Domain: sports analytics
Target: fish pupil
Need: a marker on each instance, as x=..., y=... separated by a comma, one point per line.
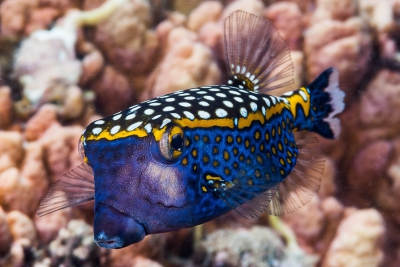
x=177, y=142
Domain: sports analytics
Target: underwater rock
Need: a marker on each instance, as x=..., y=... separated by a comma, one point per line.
x=206, y=12
x=21, y=226
x=152, y=246
x=127, y=40
x=75, y=246
x=14, y=15
x=288, y=19
x=255, y=7
x=92, y=65
x=347, y=47
x=6, y=106
x=187, y=64
x=48, y=226
x=380, y=101
x=11, y=149
x=114, y=91
x=61, y=149
x=5, y=235
x=358, y=240
x=40, y=122
x=257, y=247
x=333, y=10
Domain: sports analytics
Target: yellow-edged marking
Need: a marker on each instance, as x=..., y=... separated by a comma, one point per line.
x=267, y=136
x=194, y=153
x=229, y=139
x=282, y=172
x=296, y=99
x=289, y=153
x=214, y=178
x=282, y=161
x=184, y=161
x=247, y=143
x=288, y=160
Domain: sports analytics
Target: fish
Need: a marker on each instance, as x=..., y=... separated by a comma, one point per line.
x=185, y=158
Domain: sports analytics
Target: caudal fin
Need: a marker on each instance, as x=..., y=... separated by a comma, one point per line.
x=319, y=103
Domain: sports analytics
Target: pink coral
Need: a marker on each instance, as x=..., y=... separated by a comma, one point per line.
x=287, y=18
x=5, y=106
x=357, y=242
x=206, y=12
x=14, y=14
x=5, y=235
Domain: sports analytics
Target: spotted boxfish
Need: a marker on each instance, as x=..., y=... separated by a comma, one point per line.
x=185, y=158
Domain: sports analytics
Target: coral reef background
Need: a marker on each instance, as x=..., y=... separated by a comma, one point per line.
x=65, y=63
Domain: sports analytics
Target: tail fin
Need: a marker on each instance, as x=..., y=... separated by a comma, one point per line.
x=326, y=101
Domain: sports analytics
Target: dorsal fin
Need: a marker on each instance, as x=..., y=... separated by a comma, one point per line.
x=257, y=57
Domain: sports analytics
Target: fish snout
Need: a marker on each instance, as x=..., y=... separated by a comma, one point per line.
x=114, y=229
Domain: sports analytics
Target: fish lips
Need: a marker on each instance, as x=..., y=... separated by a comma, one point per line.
x=114, y=229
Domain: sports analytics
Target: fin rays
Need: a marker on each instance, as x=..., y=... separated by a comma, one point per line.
x=74, y=188
x=256, y=53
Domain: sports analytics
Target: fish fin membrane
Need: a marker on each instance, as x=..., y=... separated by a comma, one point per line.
x=327, y=100
x=303, y=182
x=250, y=200
x=257, y=57
x=74, y=188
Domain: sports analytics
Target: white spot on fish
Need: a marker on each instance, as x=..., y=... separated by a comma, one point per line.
x=234, y=92
x=130, y=116
x=214, y=90
x=230, y=82
x=243, y=112
x=241, y=86
x=235, y=121
x=208, y=97
x=252, y=77
x=220, y=94
x=243, y=69
x=155, y=104
x=184, y=94
x=149, y=111
x=203, y=114
x=134, y=126
x=156, y=117
x=221, y=112
x=97, y=131
x=237, y=69
x=253, y=97
x=288, y=93
x=204, y=103
x=303, y=95
x=170, y=99
x=255, y=81
x=116, y=117
x=135, y=108
x=148, y=128
x=273, y=100
x=253, y=106
x=189, y=115
x=115, y=129
x=165, y=122
x=190, y=98
x=263, y=110
x=185, y=104
x=248, y=74
x=228, y=104
x=99, y=122
x=238, y=99
x=201, y=92
x=266, y=100
x=175, y=115
x=169, y=108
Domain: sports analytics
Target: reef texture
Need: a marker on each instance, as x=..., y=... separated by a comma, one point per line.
x=66, y=63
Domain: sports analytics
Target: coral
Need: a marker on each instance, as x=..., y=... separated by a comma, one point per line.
x=357, y=241
x=258, y=246
x=347, y=47
x=380, y=100
x=21, y=226
x=5, y=235
x=287, y=18
x=11, y=151
x=92, y=65
x=113, y=91
x=126, y=40
x=333, y=10
x=206, y=12
x=5, y=106
x=255, y=7
x=151, y=247
x=14, y=14
x=379, y=14
x=38, y=124
x=61, y=149
x=22, y=189
x=74, y=245
x=48, y=226
x=187, y=64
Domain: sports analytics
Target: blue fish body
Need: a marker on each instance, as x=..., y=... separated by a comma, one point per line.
x=188, y=157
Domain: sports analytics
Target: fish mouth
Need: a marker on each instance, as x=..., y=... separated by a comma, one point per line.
x=114, y=229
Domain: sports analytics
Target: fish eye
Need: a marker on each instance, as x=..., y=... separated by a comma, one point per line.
x=172, y=143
